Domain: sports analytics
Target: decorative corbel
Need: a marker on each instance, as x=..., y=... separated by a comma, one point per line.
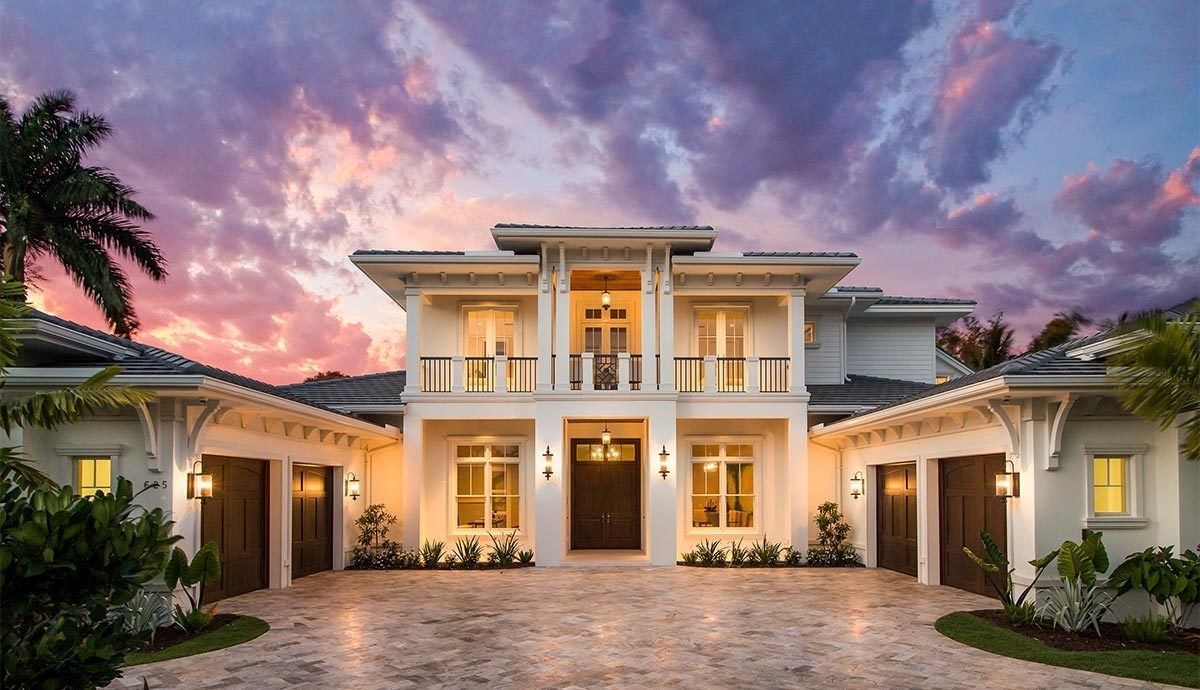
x=1057, y=425
x=195, y=434
x=149, y=435
x=1014, y=434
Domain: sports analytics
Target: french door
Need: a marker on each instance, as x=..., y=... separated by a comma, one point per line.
x=489, y=332
x=722, y=334
x=606, y=335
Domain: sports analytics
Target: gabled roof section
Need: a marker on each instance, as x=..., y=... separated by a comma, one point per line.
x=862, y=392
x=353, y=392
x=148, y=360
x=526, y=238
x=954, y=362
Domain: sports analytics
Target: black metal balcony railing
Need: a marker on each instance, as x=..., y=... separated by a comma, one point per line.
x=774, y=374
x=479, y=374
x=522, y=374
x=689, y=374
x=731, y=374
x=436, y=374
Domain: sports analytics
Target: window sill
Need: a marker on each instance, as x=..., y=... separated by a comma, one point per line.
x=483, y=532
x=1115, y=522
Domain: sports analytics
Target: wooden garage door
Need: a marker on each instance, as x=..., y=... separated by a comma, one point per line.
x=897, y=516
x=236, y=518
x=312, y=520
x=968, y=505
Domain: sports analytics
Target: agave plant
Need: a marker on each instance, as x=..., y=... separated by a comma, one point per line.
x=710, y=553
x=467, y=552
x=431, y=553
x=525, y=557
x=1077, y=606
x=765, y=553
x=738, y=554
x=505, y=549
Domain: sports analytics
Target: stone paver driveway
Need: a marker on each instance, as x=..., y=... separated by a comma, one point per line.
x=607, y=627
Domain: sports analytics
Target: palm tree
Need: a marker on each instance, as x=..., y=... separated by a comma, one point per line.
x=51, y=204
x=978, y=345
x=1159, y=377
x=1063, y=327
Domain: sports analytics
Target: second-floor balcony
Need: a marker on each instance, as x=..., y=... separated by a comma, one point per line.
x=607, y=372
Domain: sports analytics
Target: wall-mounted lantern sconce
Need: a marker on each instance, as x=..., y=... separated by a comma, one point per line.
x=663, y=459
x=606, y=296
x=200, y=483
x=1008, y=483
x=606, y=435
x=353, y=486
x=857, y=485
x=548, y=465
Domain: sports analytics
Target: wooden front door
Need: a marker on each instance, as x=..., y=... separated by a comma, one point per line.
x=606, y=494
x=969, y=505
x=897, y=517
x=312, y=520
x=236, y=519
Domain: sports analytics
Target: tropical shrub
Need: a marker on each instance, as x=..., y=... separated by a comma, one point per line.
x=832, y=531
x=993, y=560
x=793, y=557
x=1150, y=628
x=1076, y=606
x=689, y=557
x=764, y=553
x=204, y=570
x=145, y=613
x=1082, y=562
x=467, y=552
x=710, y=553
x=1172, y=581
x=505, y=549
x=525, y=556
x=65, y=562
x=431, y=553
x=738, y=554
x=374, y=551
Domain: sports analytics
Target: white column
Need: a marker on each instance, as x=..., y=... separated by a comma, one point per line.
x=545, y=325
x=412, y=339
x=752, y=371
x=796, y=338
x=797, y=476
x=457, y=372
x=623, y=371
x=661, y=509
x=549, y=518
x=562, y=334
x=710, y=373
x=588, y=367
x=929, y=561
x=649, y=323
x=414, y=454
x=501, y=373
x=666, y=325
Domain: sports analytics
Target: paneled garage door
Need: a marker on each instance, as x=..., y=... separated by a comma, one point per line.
x=312, y=520
x=897, y=517
x=236, y=518
x=968, y=505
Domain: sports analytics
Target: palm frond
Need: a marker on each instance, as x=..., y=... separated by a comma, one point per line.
x=51, y=409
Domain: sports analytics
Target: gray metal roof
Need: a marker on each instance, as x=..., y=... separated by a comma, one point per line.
x=534, y=226
x=857, y=288
x=898, y=299
x=407, y=252
x=850, y=255
x=383, y=388
x=151, y=360
x=863, y=391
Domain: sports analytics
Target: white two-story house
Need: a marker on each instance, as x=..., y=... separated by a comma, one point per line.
x=616, y=395
x=628, y=392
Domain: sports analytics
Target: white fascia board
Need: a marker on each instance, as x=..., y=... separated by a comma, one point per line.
x=904, y=309
x=569, y=234
x=984, y=389
x=730, y=259
x=952, y=362
x=367, y=408
x=1106, y=346
x=37, y=329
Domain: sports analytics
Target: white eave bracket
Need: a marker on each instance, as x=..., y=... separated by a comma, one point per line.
x=1014, y=434
x=147, y=417
x=1057, y=425
x=205, y=417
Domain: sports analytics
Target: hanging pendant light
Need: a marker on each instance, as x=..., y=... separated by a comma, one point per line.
x=606, y=435
x=606, y=296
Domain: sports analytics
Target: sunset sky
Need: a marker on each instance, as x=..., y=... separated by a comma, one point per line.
x=1034, y=157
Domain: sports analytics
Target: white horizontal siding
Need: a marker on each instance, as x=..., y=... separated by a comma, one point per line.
x=823, y=364
x=891, y=348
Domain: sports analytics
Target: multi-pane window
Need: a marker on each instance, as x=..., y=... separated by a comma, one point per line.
x=488, y=485
x=721, y=332
x=598, y=452
x=723, y=485
x=490, y=332
x=810, y=331
x=92, y=475
x=1110, y=485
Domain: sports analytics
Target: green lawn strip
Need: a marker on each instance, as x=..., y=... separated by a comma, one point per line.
x=241, y=630
x=1157, y=667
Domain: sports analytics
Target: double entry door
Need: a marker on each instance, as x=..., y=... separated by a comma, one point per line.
x=606, y=494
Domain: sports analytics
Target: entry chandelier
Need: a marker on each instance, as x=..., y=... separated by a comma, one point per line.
x=606, y=296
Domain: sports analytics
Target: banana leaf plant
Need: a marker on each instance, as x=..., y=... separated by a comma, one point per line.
x=1083, y=561
x=1016, y=609
x=1172, y=581
x=204, y=569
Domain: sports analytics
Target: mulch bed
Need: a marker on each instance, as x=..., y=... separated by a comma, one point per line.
x=170, y=636
x=749, y=566
x=443, y=566
x=1111, y=639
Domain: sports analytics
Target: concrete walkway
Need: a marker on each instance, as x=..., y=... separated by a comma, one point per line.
x=607, y=627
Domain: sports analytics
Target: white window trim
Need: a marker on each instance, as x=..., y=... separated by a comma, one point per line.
x=466, y=307
x=816, y=341
x=755, y=531
x=73, y=452
x=523, y=479
x=1134, y=519
x=695, y=335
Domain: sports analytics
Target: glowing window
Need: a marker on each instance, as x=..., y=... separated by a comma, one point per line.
x=92, y=475
x=1110, y=485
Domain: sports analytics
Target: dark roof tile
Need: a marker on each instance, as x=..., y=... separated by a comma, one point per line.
x=863, y=391
x=384, y=388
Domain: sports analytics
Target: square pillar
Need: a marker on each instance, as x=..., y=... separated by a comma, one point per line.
x=623, y=371
x=666, y=327
x=797, y=477
x=796, y=339
x=545, y=331
x=562, y=336
x=649, y=323
x=549, y=507
x=412, y=339
x=661, y=512
x=414, y=479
